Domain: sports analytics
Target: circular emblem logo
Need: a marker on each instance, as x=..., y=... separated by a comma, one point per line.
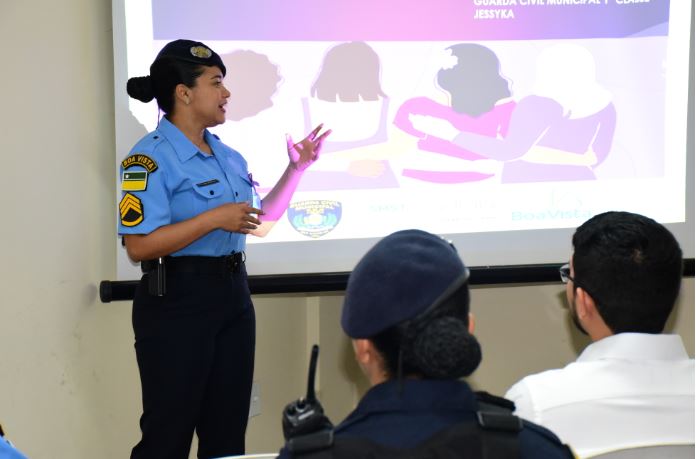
x=201, y=52
x=314, y=218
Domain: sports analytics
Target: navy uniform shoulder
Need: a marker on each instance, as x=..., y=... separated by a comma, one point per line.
x=542, y=439
x=493, y=402
x=535, y=441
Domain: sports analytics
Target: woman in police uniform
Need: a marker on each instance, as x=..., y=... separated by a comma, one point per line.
x=185, y=211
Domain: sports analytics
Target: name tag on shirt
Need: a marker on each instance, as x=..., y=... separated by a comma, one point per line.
x=207, y=183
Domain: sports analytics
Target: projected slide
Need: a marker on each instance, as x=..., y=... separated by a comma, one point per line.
x=456, y=117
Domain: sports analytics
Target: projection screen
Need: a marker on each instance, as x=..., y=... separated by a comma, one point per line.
x=501, y=125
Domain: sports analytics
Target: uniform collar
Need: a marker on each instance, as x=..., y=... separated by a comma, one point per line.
x=184, y=148
x=416, y=395
x=636, y=346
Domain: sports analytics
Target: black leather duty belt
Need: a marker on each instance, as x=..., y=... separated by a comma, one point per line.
x=198, y=265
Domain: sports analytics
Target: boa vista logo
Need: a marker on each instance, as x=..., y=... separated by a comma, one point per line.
x=314, y=218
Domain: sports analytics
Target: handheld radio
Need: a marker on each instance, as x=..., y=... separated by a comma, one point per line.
x=305, y=416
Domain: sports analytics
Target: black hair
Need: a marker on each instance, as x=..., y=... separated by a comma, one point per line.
x=631, y=266
x=436, y=345
x=165, y=74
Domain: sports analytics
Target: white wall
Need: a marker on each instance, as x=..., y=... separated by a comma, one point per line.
x=69, y=386
x=64, y=355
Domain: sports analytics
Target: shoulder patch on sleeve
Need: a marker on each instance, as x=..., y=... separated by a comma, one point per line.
x=131, y=209
x=134, y=180
x=139, y=159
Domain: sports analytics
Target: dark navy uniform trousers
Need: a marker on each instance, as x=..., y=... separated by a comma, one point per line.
x=195, y=352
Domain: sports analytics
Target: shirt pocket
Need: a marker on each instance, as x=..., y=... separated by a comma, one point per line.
x=244, y=190
x=207, y=194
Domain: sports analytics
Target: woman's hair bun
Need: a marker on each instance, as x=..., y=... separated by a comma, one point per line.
x=140, y=88
x=446, y=350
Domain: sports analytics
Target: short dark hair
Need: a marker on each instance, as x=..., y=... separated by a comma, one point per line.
x=434, y=345
x=631, y=266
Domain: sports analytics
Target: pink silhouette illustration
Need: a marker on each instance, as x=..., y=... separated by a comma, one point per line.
x=479, y=102
x=561, y=132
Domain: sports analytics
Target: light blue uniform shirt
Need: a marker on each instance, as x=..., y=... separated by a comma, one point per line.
x=7, y=451
x=165, y=179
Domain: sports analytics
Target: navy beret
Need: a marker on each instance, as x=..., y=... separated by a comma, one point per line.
x=194, y=52
x=397, y=279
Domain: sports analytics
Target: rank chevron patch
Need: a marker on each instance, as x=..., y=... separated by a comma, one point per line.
x=131, y=208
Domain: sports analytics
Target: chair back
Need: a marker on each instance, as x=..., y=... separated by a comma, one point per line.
x=252, y=456
x=651, y=452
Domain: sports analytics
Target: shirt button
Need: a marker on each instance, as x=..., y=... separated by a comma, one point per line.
x=236, y=193
x=156, y=137
x=212, y=192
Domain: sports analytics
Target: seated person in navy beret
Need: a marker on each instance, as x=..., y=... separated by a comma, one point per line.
x=407, y=311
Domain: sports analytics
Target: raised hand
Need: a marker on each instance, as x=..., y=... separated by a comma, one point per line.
x=306, y=151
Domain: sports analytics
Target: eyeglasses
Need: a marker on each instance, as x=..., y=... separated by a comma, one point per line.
x=564, y=271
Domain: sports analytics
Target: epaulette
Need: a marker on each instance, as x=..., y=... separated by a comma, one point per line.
x=493, y=402
x=495, y=413
x=156, y=138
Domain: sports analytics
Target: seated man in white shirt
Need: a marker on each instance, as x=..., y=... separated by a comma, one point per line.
x=633, y=385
